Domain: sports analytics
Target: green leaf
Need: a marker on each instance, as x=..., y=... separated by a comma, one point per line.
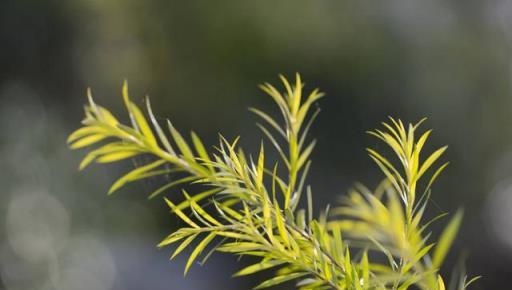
x=295, y=98
x=113, y=147
x=143, y=125
x=180, y=214
x=286, y=84
x=308, y=127
x=171, y=184
x=197, y=198
x=85, y=131
x=269, y=120
x=280, y=279
x=127, y=103
x=107, y=117
x=158, y=128
x=116, y=156
x=471, y=281
x=197, y=251
x=280, y=221
x=305, y=154
x=201, y=151
x=440, y=283
x=365, y=269
x=263, y=265
x=183, y=245
x=446, y=239
x=276, y=96
x=301, y=115
x=202, y=212
x=275, y=144
x=134, y=174
x=180, y=141
x=87, y=141
x=239, y=247
x=417, y=257
x=435, y=175
x=430, y=160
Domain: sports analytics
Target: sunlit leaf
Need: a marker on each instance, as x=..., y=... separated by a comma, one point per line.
x=446, y=239
x=197, y=251
x=263, y=265
x=279, y=280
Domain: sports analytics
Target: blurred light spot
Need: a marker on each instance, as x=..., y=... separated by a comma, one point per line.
x=86, y=264
x=499, y=212
x=37, y=225
x=499, y=14
x=420, y=20
x=23, y=117
x=16, y=273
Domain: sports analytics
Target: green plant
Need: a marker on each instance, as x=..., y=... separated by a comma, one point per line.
x=373, y=240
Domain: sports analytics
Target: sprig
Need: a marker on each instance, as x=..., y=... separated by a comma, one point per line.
x=242, y=206
x=391, y=219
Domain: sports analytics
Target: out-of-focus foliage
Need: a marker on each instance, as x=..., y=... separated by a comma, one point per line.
x=244, y=205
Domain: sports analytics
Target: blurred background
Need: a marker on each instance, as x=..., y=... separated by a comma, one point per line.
x=200, y=62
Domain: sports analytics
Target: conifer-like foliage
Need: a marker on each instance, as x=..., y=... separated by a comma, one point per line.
x=245, y=205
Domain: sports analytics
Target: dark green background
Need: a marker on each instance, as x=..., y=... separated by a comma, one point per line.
x=201, y=61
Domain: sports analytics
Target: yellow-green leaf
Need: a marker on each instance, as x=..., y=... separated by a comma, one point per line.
x=430, y=160
x=180, y=141
x=134, y=174
x=446, y=239
x=202, y=212
x=263, y=265
x=143, y=125
x=116, y=156
x=183, y=245
x=281, y=224
x=84, y=131
x=197, y=251
x=200, y=149
x=280, y=279
x=88, y=140
x=440, y=283
x=180, y=214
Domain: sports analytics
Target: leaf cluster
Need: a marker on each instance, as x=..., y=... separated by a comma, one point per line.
x=246, y=206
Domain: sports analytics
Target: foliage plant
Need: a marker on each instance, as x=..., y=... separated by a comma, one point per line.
x=247, y=205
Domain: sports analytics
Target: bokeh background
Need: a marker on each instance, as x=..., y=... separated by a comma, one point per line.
x=200, y=62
